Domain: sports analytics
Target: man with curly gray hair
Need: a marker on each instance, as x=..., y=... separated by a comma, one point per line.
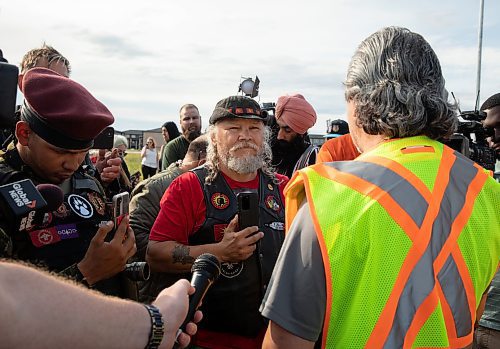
x=388, y=250
x=197, y=215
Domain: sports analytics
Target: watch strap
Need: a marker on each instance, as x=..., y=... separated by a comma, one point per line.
x=157, y=327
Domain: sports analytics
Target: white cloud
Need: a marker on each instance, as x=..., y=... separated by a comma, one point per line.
x=145, y=59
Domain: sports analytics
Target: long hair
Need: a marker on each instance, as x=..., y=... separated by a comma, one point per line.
x=397, y=86
x=213, y=158
x=173, y=131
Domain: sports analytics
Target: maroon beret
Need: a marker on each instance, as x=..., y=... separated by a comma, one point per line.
x=62, y=111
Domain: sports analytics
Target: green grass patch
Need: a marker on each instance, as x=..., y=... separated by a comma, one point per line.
x=133, y=160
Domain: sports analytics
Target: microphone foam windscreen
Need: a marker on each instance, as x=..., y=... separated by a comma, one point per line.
x=52, y=194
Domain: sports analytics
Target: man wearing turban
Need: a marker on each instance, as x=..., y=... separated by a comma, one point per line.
x=292, y=149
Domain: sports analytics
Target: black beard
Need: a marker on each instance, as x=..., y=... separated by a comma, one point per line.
x=286, y=154
x=191, y=135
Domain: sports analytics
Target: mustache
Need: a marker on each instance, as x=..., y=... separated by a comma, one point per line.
x=243, y=145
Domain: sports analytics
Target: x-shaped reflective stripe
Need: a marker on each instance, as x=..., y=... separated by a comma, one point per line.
x=421, y=280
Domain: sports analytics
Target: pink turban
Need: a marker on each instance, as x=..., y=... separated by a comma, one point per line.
x=296, y=112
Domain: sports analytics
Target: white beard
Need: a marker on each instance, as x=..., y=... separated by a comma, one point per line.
x=245, y=164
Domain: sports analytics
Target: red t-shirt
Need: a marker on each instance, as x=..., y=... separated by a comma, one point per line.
x=182, y=207
x=182, y=212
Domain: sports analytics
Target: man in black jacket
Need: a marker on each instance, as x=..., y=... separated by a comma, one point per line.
x=58, y=123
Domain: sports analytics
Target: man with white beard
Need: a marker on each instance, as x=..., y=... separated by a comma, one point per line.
x=198, y=215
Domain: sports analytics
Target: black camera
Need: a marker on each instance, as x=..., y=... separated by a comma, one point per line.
x=470, y=139
x=137, y=271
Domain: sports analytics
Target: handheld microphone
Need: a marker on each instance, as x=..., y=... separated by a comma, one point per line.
x=22, y=202
x=52, y=194
x=205, y=269
x=54, y=198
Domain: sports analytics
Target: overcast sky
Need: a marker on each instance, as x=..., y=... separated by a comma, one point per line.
x=144, y=59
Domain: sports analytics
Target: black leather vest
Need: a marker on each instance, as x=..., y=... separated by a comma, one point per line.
x=232, y=303
x=64, y=236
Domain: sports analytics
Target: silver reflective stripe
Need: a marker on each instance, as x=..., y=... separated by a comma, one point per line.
x=407, y=197
x=454, y=292
x=419, y=284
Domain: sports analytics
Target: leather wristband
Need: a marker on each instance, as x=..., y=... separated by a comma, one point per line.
x=157, y=327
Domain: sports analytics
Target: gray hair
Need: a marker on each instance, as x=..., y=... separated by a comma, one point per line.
x=119, y=140
x=397, y=86
x=213, y=158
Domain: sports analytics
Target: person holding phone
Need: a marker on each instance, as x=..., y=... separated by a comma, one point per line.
x=107, y=169
x=198, y=214
x=149, y=162
x=58, y=123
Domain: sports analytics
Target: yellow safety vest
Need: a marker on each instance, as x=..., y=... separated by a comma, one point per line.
x=410, y=238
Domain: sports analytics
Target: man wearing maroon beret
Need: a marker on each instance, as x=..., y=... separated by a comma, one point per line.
x=108, y=166
x=58, y=123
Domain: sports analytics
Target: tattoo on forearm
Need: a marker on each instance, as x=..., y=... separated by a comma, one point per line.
x=181, y=255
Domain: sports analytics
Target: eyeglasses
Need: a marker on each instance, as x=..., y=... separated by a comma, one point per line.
x=122, y=153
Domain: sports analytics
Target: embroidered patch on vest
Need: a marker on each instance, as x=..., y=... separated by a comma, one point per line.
x=220, y=201
x=272, y=203
x=97, y=202
x=63, y=211
x=270, y=186
x=67, y=231
x=47, y=219
x=231, y=270
x=277, y=226
x=44, y=237
x=80, y=206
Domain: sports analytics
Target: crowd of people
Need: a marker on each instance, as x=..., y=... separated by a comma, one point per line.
x=384, y=237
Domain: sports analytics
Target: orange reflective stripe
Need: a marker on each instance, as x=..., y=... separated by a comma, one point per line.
x=384, y=324
x=324, y=256
x=418, y=149
x=421, y=316
x=447, y=313
x=294, y=195
x=461, y=342
x=437, y=227
x=399, y=215
x=462, y=218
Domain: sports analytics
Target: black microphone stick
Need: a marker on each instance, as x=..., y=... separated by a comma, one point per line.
x=205, y=269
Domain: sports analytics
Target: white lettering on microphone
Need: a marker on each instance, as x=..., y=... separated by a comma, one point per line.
x=19, y=196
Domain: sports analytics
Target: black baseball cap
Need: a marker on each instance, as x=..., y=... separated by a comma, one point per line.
x=237, y=107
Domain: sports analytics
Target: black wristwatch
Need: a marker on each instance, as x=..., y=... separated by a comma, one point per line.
x=157, y=327
x=75, y=273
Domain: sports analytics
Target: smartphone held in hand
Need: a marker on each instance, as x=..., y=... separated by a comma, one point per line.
x=120, y=207
x=248, y=209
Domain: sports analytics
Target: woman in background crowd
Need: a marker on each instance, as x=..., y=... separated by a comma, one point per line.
x=149, y=158
x=169, y=131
